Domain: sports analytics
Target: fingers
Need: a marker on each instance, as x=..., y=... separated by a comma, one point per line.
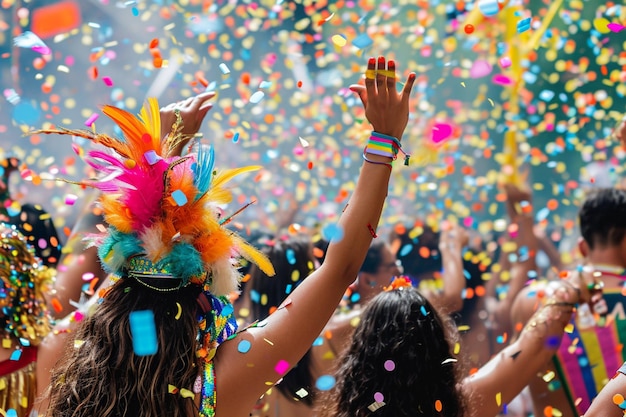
x=380, y=77
x=408, y=86
x=391, y=77
x=201, y=99
x=370, y=75
x=361, y=91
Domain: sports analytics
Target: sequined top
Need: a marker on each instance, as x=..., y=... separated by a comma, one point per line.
x=222, y=325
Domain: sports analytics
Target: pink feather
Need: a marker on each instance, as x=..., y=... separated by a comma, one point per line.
x=142, y=184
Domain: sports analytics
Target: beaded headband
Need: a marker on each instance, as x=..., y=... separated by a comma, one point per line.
x=162, y=209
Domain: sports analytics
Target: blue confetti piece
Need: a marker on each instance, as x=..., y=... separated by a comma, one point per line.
x=143, y=331
x=11, y=412
x=318, y=342
x=244, y=346
x=332, y=232
x=291, y=256
x=523, y=25
x=236, y=137
x=288, y=289
x=25, y=113
x=553, y=342
x=255, y=296
x=16, y=355
x=179, y=198
x=325, y=382
x=488, y=7
x=467, y=274
x=355, y=297
x=406, y=249
x=423, y=310
x=151, y=157
x=227, y=310
x=362, y=41
x=135, y=11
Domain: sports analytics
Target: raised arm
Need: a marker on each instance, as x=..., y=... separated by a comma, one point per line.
x=525, y=246
x=453, y=240
x=290, y=331
x=504, y=376
x=607, y=403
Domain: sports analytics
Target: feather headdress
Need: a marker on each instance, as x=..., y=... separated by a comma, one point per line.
x=162, y=209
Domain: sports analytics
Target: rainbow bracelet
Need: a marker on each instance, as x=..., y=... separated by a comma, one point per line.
x=385, y=145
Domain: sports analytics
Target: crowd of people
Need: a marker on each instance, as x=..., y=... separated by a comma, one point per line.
x=188, y=313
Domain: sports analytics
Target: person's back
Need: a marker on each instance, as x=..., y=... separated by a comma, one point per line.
x=590, y=352
x=167, y=244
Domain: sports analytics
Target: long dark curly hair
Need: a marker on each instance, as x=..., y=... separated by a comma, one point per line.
x=400, y=354
x=105, y=378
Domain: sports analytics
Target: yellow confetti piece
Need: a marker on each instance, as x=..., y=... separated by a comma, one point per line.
x=6, y=343
x=601, y=25
x=457, y=348
x=569, y=328
x=339, y=40
x=549, y=376
x=463, y=328
x=78, y=343
x=499, y=399
x=185, y=393
x=172, y=389
x=3, y=383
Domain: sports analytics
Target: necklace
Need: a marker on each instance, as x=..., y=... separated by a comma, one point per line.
x=607, y=270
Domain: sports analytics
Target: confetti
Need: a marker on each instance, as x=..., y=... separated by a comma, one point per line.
x=30, y=40
x=143, y=331
x=325, y=382
x=244, y=346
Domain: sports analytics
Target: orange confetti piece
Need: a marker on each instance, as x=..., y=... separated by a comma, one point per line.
x=438, y=406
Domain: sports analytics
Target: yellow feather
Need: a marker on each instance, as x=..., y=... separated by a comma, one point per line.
x=151, y=118
x=218, y=196
x=252, y=254
x=224, y=176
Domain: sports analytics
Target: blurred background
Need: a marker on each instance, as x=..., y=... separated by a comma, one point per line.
x=281, y=69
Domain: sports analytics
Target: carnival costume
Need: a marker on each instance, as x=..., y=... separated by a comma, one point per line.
x=165, y=223
x=25, y=318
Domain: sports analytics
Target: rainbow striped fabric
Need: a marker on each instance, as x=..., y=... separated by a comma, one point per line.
x=588, y=357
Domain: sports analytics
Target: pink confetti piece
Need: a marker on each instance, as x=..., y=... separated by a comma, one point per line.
x=441, y=132
x=281, y=367
x=502, y=80
x=480, y=69
x=91, y=119
x=615, y=27
x=88, y=276
x=70, y=199
x=505, y=62
x=107, y=81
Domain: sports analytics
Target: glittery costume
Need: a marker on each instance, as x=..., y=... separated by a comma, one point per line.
x=25, y=318
x=165, y=223
x=590, y=353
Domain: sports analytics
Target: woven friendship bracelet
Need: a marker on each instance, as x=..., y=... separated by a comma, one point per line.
x=385, y=145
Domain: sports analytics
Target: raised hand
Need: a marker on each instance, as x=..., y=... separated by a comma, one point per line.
x=192, y=113
x=385, y=108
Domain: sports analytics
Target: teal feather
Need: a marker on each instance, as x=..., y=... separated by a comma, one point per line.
x=184, y=262
x=116, y=248
x=203, y=170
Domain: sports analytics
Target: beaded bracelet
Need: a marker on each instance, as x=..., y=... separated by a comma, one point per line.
x=385, y=145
